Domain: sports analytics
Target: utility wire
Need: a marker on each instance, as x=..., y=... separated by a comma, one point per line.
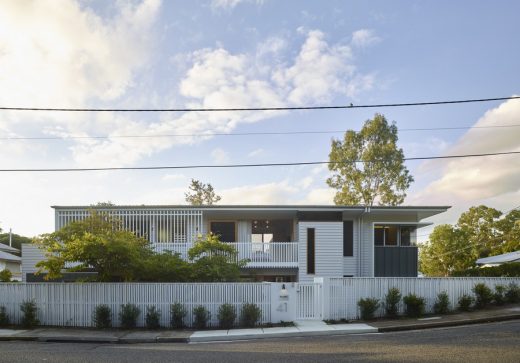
x=430, y=103
x=238, y=133
x=250, y=165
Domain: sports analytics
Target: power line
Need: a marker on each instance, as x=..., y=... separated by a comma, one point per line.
x=430, y=103
x=228, y=166
x=240, y=133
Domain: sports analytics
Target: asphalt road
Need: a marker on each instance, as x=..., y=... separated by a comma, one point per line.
x=495, y=342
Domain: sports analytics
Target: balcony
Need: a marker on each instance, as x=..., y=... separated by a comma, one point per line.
x=260, y=255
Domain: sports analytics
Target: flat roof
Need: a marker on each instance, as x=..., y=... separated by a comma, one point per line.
x=257, y=206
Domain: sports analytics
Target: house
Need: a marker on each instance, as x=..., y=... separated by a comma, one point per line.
x=281, y=242
x=9, y=261
x=499, y=259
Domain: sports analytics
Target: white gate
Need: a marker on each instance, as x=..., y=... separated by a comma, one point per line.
x=309, y=303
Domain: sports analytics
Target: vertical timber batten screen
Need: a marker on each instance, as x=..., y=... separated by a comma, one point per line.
x=64, y=304
x=157, y=225
x=344, y=293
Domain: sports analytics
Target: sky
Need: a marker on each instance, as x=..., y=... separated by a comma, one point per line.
x=251, y=53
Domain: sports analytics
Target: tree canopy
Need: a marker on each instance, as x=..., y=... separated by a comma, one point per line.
x=17, y=240
x=368, y=166
x=480, y=232
x=201, y=194
x=99, y=244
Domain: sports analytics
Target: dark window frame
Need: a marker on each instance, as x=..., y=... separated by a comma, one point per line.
x=348, y=238
x=221, y=222
x=382, y=226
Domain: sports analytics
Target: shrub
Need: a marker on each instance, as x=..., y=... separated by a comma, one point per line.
x=177, y=314
x=511, y=269
x=513, y=293
x=499, y=295
x=442, y=304
x=128, y=315
x=29, y=314
x=465, y=302
x=392, y=299
x=102, y=317
x=152, y=318
x=5, y=275
x=368, y=307
x=250, y=315
x=414, y=305
x=4, y=318
x=483, y=295
x=226, y=316
x=202, y=316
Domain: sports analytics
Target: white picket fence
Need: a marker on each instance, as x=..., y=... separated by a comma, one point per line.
x=72, y=304
x=342, y=294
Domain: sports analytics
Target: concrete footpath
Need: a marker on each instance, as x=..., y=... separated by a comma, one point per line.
x=301, y=329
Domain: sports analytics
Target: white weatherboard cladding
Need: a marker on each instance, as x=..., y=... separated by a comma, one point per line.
x=350, y=264
x=328, y=252
x=31, y=256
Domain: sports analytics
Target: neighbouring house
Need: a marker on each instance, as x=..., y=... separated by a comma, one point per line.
x=499, y=259
x=283, y=243
x=9, y=261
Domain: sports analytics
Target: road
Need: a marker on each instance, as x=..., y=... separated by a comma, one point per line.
x=494, y=342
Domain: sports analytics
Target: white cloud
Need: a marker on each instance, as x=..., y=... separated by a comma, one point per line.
x=256, y=152
x=219, y=156
x=320, y=196
x=364, y=38
x=230, y=4
x=173, y=177
x=269, y=193
x=476, y=179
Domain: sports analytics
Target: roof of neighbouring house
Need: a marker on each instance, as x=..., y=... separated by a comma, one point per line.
x=499, y=259
x=4, y=247
x=8, y=257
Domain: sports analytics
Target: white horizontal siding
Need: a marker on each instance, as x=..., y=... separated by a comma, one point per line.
x=328, y=250
x=31, y=255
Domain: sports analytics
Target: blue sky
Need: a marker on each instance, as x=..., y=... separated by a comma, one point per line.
x=240, y=53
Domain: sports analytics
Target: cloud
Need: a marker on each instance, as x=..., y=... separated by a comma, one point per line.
x=363, y=38
x=219, y=156
x=269, y=193
x=230, y=4
x=255, y=153
x=474, y=179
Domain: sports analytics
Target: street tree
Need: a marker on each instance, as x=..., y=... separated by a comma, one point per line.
x=368, y=166
x=201, y=194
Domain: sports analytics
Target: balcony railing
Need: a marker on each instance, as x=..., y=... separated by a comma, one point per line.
x=273, y=254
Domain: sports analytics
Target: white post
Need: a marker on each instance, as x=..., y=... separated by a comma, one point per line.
x=10, y=237
x=283, y=302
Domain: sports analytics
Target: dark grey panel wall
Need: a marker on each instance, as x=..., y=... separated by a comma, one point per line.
x=395, y=262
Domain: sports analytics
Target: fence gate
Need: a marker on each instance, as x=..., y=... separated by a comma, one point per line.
x=309, y=302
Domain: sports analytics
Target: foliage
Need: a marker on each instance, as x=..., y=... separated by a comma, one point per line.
x=368, y=307
x=152, y=318
x=226, y=316
x=513, y=293
x=29, y=314
x=177, y=314
x=392, y=299
x=414, y=305
x=201, y=194
x=368, y=166
x=214, y=261
x=499, y=296
x=202, y=316
x=128, y=315
x=164, y=267
x=465, y=302
x=442, y=304
x=98, y=242
x=483, y=295
x=5, y=275
x=102, y=317
x=511, y=269
x=4, y=318
x=479, y=232
x=17, y=240
x=250, y=315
